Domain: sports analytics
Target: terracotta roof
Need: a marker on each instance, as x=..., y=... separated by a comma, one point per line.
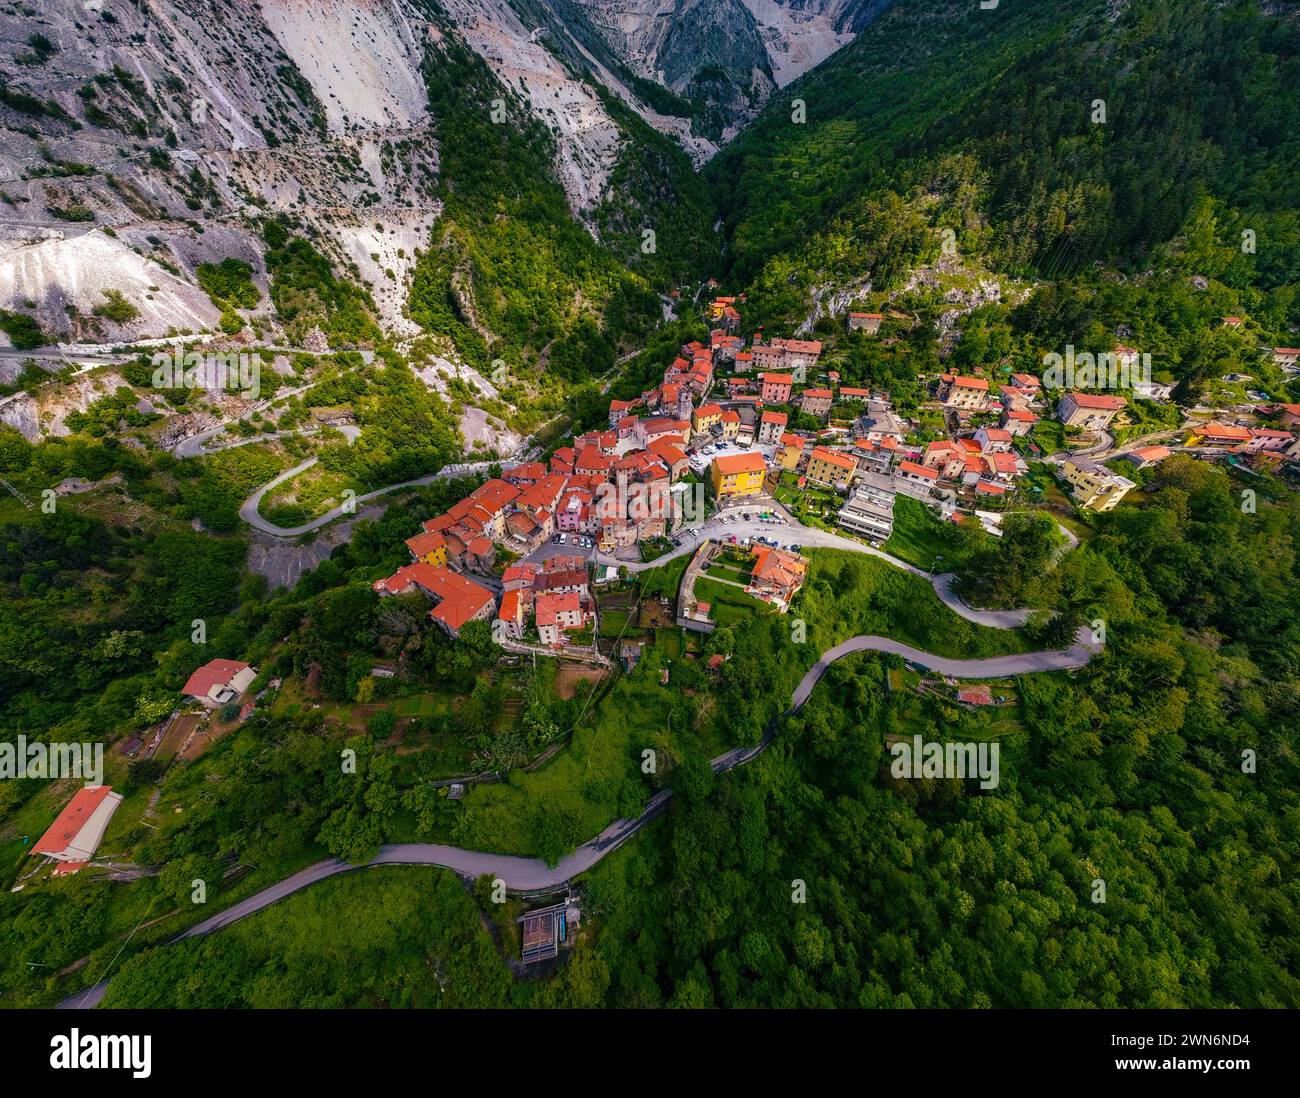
x=520, y=570
x=918, y=470
x=592, y=458
x=779, y=568
x=494, y=494
x=1221, y=430
x=550, y=605
x=833, y=457
x=799, y=346
x=68, y=824
x=211, y=674
x=751, y=462
x=1096, y=401
x=460, y=598
x=512, y=605
x=425, y=543
x=531, y=470
x=962, y=382
x=572, y=577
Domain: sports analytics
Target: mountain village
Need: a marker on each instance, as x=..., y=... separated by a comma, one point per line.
x=715, y=443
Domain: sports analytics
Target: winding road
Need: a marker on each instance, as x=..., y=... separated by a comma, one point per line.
x=248, y=511
x=792, y=533
x=533, y=875
x=530, y=875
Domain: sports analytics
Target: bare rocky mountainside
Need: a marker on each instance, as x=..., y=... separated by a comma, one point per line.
x=141, y=138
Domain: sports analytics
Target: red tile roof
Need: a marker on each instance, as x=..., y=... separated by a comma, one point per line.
x=1221, y=430
x=833, y=457
x=918, y=470
x=73, y=818
x=751, y=462
x=209, y=675
x=1097, y=401
x=550, y=605
x=423, y=544
x=666, y=449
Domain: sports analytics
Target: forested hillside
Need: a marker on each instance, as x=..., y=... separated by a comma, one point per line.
x=509, y=274
x=1049, y=137
x=1105, y=170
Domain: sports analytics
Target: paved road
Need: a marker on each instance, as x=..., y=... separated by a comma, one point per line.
x=793, y=533
x=996, y=619
x=248, y=512
x=197, y=445
x=993, y=667
x=534, y=875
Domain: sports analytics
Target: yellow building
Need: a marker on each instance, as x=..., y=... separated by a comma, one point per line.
x=429, y=547
x=790, y=452
x=738, y=475
x=704, y=417
x=1094, y=486
x=831, y=467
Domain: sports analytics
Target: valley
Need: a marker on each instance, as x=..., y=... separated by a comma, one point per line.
x=553, y=453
